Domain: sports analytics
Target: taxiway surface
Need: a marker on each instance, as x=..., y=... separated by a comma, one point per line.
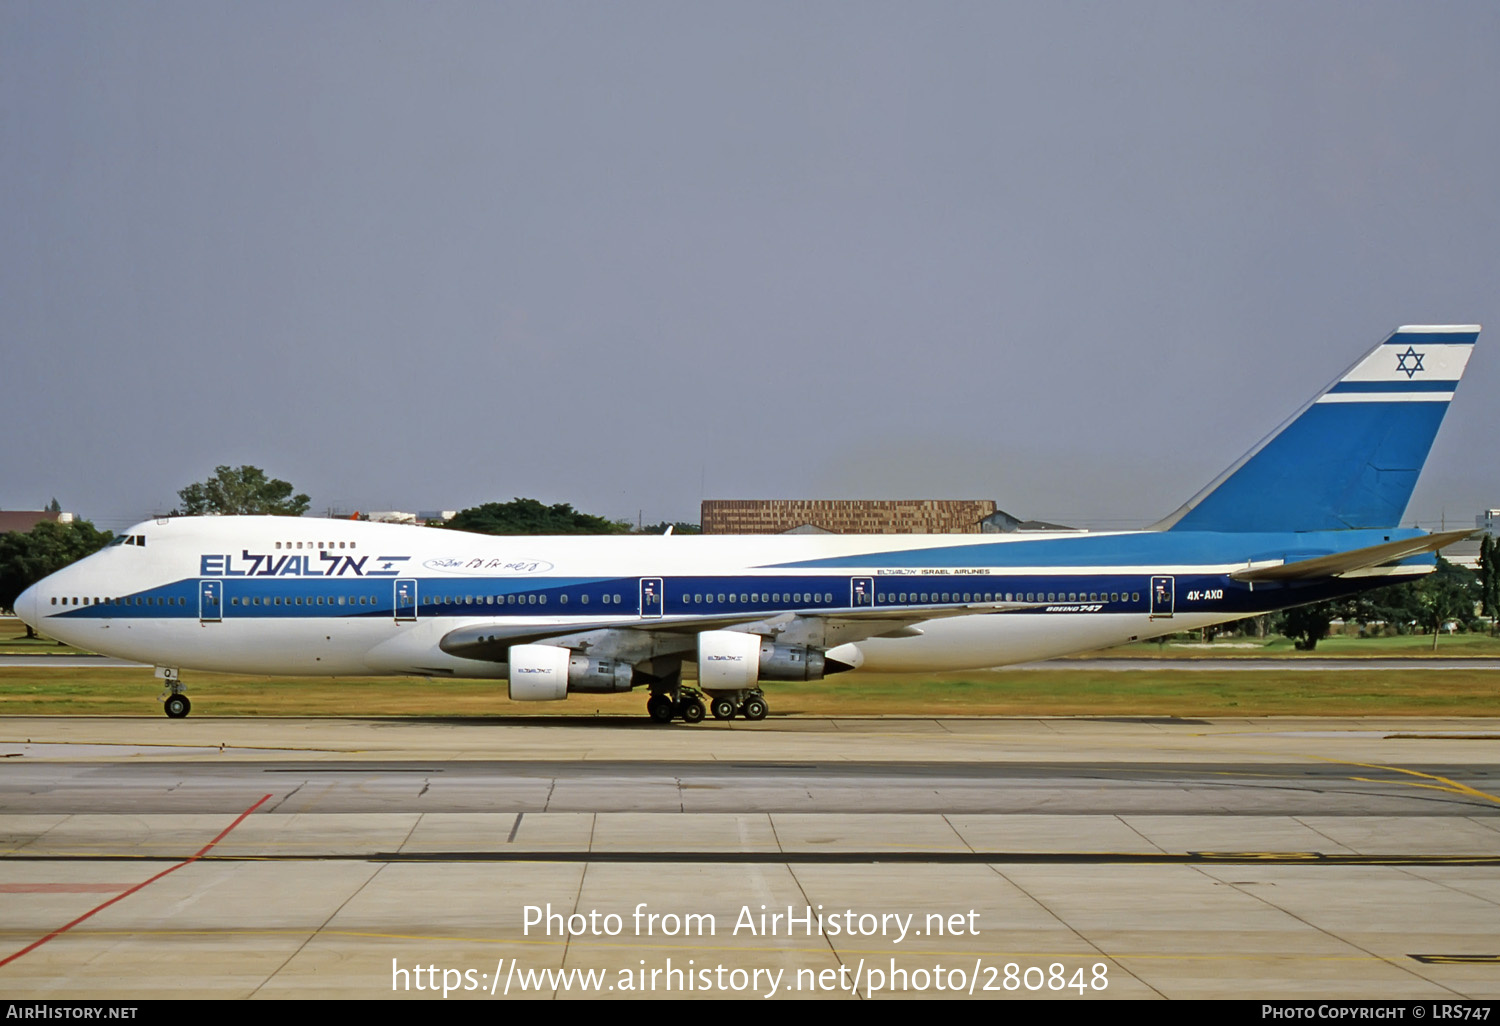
x=1064, y=857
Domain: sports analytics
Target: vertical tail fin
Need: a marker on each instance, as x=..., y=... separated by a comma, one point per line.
x=1350, y=457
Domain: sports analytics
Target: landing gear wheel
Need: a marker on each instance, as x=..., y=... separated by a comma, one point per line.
x=659, y=708
x=723, y=708
x=755, y=709
x=693, y=711
x=177, y=706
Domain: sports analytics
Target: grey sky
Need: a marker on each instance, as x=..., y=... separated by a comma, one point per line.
x=1072, y=257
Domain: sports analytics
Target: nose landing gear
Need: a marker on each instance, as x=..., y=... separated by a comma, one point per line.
x=174, y=700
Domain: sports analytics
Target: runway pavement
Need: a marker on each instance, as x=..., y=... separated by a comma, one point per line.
x=1202, y=665
x=1073, y=858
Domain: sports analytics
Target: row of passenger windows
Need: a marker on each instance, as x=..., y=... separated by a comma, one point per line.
x=137, y=600
x=514, y=600
x=801, y=598
x=270, y=600
x=310, y=545
x=696, y=598
x=795, y=598
x=298, y=600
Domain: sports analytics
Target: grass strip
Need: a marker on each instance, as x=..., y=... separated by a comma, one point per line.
x=1144, y=692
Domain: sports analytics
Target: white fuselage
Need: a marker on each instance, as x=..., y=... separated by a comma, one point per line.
x=280, y=595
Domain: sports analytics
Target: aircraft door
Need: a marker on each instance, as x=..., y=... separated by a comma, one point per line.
x=651, y=596
x=1163, y=597
x=210, y=601
x=862, y=591
x=406, y=599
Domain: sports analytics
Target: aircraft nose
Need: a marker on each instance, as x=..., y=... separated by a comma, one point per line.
x=26, y=607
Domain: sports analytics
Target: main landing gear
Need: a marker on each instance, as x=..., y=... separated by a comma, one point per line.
x=751, y=704
x=682, y=703
x=688, y=705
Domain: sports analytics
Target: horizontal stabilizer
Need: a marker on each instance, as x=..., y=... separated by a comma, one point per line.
x=1323, y=567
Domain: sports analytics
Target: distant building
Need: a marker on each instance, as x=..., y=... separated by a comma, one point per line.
x=861, y=516
x=24, y=520
x=1489, y=522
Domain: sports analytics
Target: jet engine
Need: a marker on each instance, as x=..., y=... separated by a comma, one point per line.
x=733, y=661
x=538, y=673
x=546, y=673
x=598, y=676
x=790, y=662
x=728, y=660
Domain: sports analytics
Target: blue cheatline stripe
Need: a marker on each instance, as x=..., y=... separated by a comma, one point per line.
x=1415, y=385
x=1085, y=590
x=1037, y=564
x=1094, y=554
x=1054, y=592
x=1444, y=338
x=689, y=596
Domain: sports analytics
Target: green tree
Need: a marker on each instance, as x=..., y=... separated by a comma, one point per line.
x=1395, y=606
x=28, y=556
x=1489, y=579
x=1307, y=625
x=242, y=490
x=528, y=516
x=1448, y=593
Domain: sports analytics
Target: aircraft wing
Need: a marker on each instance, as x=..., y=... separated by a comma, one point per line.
x=492, y=641
x=1340, y=563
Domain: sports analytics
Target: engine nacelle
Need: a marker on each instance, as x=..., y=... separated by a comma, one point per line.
x=733, y=661
x=790, y=662
x=538, y=673
x=546, y=673
x=598, y=676
x=728, y=660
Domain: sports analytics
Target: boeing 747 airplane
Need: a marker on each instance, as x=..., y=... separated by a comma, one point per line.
x=1310, y=513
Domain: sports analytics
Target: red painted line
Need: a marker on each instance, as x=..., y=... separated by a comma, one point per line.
x=144, y=883
x=62, y=888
